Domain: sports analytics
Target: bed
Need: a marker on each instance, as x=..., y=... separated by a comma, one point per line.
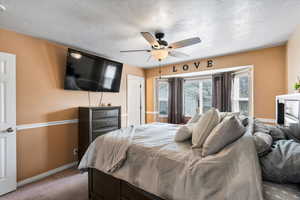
x=106, y=187
x=141, y=163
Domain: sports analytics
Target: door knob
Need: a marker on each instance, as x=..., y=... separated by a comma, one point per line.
x=9, y=130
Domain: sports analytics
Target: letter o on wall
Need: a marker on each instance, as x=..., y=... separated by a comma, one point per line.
x=185, y=67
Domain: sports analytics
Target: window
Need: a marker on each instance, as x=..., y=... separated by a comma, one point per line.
x=197, y=93
x=241, y=93
x=206, y=95
x=162, y=97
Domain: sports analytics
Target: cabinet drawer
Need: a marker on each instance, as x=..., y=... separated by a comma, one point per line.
x=104, y=186
x=132, y=193
x=102, y=131
x=105, y=122
x=98, y=114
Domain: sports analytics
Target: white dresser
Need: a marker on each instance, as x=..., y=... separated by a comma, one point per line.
x=288, y=109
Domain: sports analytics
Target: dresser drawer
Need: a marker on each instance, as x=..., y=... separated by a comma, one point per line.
x=103, y=131
x=105, y=122
x=94, y=122
x=104, y=186
x=98, y=114
x=129, y=192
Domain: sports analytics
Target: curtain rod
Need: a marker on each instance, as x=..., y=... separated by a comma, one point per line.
x=209, y=75
x=242, y=71
x=197, y=77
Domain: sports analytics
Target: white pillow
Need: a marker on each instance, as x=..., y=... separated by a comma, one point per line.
x=204, y=126
x=227, y=114
x=225, y=133
x=184, y=132
x=195, y=118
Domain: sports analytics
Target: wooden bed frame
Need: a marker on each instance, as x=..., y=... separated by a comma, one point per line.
x=106, y=187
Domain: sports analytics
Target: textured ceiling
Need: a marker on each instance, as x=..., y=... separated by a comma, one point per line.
x=107, y=26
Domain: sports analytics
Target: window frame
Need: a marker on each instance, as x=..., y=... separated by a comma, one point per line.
x=158, y=99
x=200, y=92
x=235, y=91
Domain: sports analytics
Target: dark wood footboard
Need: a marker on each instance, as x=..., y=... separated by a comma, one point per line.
x=105, y=187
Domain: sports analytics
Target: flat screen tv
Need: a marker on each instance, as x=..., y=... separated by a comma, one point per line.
x=92, y=73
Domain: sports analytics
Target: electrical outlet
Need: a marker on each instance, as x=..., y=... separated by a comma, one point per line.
x=75, y=151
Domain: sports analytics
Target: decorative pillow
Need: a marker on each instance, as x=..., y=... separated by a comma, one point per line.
x=195, y=118
x=263, y=143
x=204, y=126
x=184, y=132
x=282, y=164
x=260, y=127
x=274, y=131
x=228, y=114
x=225, y=133
x=292, y=132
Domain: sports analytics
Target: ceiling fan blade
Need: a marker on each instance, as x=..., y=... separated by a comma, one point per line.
x=151, y=39
x=178, y=54
x=149, y=58
x=184, y=43
x=129, y=51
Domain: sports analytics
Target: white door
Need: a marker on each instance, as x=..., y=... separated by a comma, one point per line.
x=135, y=100
x=7, y=123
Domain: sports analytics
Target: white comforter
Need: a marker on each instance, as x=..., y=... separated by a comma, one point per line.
x=147, y=157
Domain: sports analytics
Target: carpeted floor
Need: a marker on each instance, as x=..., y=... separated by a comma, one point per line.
x=66, y=185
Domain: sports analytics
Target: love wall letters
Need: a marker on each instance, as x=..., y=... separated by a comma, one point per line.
x=196, y=65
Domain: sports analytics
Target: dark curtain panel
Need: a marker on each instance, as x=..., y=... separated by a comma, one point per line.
x=222, y=85
x=175, y=114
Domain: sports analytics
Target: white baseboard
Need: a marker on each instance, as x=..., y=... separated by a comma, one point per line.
x=45, y=174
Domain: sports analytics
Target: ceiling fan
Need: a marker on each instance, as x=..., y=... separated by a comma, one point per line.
x=160, y=48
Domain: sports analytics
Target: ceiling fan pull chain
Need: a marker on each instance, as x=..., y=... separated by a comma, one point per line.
x=159, y=71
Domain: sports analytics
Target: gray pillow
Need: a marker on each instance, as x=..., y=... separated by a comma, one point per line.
x=195, y=118
x=204, y=126
x=263, y=143
x=228, y=114
x=184, y=132
x=292, y=132
x=225, y=133
x=260, y=127
x=274, y=131
x=282, y=164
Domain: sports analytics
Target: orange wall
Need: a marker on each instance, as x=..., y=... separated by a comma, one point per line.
x=41, y=98
x=293, y=63
x=269, y=77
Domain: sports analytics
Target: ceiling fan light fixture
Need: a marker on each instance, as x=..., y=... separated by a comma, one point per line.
x=159, y=54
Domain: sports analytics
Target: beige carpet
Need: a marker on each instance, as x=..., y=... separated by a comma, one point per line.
x=67, y=185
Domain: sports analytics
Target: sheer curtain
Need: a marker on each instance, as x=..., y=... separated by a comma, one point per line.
x=222, y=89
x=175, y=113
